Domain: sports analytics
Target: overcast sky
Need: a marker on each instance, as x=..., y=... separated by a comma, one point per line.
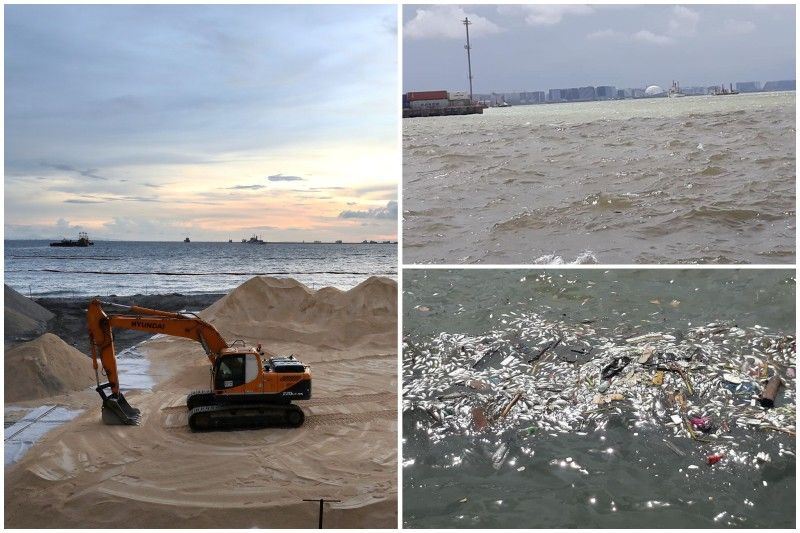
x=214, y=122
x=538, y=47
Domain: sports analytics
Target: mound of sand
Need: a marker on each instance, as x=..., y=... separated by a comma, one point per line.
x=23, y=317
x=280, y=309
x=46, y=366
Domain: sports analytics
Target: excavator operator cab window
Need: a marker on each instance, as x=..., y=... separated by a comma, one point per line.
x=230, y=372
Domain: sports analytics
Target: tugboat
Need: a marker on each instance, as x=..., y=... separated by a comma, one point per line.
x=254, y=240
x=186, y=240
x=82, y=242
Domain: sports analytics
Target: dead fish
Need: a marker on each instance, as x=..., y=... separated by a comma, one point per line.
x=499, y=456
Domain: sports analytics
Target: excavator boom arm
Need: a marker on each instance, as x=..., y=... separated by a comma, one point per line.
x=149, y=320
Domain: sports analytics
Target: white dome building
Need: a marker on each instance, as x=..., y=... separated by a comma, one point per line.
x=654, y=90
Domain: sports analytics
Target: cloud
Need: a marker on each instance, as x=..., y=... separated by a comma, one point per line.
x=683, y=21
x=248, y=187
x=281, y=177
x=738, y=27
x=382, y=213
x=445, y=22
x=649, y=37
x=606, y=34
x=88, y=173
x=548, y=15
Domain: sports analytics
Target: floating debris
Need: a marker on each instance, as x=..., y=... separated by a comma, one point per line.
x=695, y=384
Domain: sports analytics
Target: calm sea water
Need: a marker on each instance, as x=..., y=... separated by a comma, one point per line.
x=127, y=268
x=628, y=477
x=682, y=180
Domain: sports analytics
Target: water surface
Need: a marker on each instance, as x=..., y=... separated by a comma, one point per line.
x=619, y=471
x=689, y=180
x=128, y=268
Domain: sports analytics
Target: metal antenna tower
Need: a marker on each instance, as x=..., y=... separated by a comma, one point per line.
x=466, y=23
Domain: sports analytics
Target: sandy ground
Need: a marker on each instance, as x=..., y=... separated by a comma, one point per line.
x=160, y=474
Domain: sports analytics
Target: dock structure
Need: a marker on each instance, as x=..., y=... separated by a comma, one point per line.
x=474, y=109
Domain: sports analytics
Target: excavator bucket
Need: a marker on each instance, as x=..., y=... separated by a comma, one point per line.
x=117, y=411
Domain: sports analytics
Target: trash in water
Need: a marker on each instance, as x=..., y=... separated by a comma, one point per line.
x=703, y=423
x=615, y=367
x=770, y=392
x=558, y=396
x=714, y=458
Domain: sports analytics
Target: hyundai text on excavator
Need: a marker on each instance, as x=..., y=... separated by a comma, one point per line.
x=247, y=389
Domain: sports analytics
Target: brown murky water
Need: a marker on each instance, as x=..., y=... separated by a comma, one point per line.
x=689, y=180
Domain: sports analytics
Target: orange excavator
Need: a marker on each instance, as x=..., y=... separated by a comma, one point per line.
x=247, y=390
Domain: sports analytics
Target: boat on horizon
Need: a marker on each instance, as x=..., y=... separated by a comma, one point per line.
x=254, y=240
x=82, y=242
x=186, y=240
x=722, y=91
x=675, y=90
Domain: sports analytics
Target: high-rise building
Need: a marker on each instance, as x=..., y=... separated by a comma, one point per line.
x=781, y=85
x=748, y=86
x=554, y=95
x=533, y=97
x=606, y=92
x=586, y=93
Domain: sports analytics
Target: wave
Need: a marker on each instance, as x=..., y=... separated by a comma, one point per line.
x=584, y=258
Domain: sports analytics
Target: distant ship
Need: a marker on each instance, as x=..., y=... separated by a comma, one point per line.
x=722, y=91
x=83, y=241
x=675, y=90
x=186, y=240
x=253, y=240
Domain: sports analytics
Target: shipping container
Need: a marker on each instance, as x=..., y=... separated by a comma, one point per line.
x=460, y=101
x=427, y=95
x=420, y=104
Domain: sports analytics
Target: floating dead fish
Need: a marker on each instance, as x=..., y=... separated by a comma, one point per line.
x=559, y=396
x=499, y=456
x=730, y=378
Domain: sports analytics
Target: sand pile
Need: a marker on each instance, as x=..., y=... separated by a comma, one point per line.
x=23, y=317
x=280, y=309
x=46, y=366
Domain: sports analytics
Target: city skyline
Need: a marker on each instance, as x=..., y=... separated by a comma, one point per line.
x=214, y=122
x=573, y=45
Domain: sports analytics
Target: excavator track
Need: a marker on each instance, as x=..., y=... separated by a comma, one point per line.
x=200, y=398
x=245, y=416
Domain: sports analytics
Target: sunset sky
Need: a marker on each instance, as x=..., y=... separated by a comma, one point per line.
x=213, y=122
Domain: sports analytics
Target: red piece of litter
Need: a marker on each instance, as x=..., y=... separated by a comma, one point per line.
x=715, y=458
